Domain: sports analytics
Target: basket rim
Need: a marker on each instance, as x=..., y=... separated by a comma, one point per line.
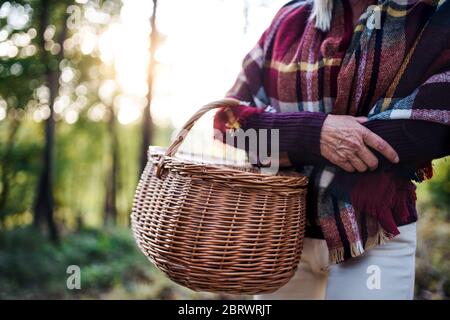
x=227, y=173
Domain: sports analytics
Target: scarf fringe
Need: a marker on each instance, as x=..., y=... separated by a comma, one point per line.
x=337, y=254
x=357, y=249
x=381, y=237
x=424, y=173
x=385, y=196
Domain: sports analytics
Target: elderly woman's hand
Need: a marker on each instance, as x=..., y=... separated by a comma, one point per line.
x=344, y=142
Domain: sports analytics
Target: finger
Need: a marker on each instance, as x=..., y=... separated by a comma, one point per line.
x=377, y=143
x=346, y=166
x=368, y=157
x=361, y=119
x=358, y=164
x=341, y=163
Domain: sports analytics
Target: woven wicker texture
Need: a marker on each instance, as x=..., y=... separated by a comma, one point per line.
x=216, y=228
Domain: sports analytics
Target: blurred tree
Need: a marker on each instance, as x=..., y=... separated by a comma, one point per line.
x=6, y=156
x=44, y=204
x=20, y=74
x=147, y=123
x=52, y=78
x=113, y=174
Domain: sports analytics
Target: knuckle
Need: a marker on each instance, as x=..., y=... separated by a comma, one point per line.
x=354, y=144
x=358, y=164
x=361, y=147
x=381, y=145
x=364, y=132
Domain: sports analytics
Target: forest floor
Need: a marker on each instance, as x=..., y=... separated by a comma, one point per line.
x=112, y=267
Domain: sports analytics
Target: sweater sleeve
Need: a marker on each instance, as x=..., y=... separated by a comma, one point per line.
x=298, y=131
x=415, y=141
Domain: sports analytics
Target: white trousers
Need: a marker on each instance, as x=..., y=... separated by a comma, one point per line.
x=383, y=272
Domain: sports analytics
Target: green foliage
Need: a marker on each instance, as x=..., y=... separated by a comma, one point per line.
x=32, y=267
x=439, y=188
x=21, y=167
x=110, y=263
x=433, y=248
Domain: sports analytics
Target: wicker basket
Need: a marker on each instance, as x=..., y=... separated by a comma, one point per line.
x=215, y=228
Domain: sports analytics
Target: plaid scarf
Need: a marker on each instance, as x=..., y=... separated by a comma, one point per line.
x=394, y=64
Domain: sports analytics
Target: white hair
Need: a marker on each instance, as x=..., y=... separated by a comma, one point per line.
x=321, y=12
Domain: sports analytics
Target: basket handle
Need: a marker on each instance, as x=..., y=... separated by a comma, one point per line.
x=173, y=148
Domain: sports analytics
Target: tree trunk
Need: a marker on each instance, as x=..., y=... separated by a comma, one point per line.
x=43, y=209
x=44, y=202
x=112, y=178
x=6, y=174
x=6, y=159
x=147, y=123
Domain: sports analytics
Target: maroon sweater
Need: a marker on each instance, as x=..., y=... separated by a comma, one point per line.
x=415, y=141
